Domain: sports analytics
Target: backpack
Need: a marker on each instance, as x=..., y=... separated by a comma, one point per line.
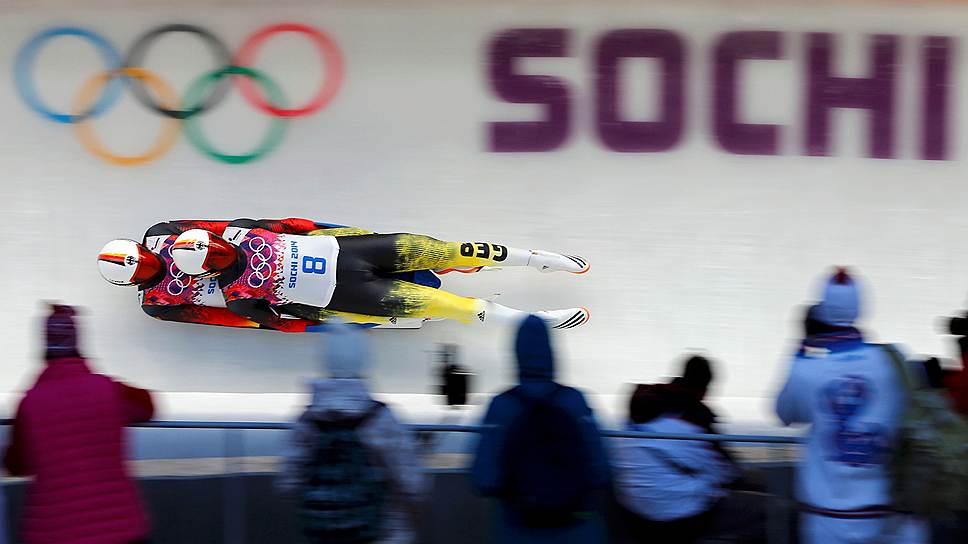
x=929, y=469
x=545, y=464
x=343, y=499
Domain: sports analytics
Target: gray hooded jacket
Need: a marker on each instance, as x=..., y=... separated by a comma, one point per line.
x=346, y=396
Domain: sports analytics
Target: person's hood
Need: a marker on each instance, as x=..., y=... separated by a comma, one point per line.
x=339, y=398
x=533, y=349
x=345, y=351
x=840, y=302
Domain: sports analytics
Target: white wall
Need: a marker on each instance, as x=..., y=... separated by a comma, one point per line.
x=691, y=248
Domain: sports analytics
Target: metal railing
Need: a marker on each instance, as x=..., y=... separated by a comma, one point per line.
x=280, y=426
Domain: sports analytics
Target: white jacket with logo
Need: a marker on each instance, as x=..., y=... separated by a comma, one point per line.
x=853, y=399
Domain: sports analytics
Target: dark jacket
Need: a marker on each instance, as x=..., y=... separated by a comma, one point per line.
x=650, y=401
x=535, y=374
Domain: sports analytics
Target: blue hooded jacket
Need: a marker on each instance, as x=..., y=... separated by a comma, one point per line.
x=536, y=377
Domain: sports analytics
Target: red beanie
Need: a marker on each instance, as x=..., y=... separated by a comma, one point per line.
x=61, y=334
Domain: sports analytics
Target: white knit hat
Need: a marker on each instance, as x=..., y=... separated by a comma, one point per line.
x=346, y=353
x=840, y=304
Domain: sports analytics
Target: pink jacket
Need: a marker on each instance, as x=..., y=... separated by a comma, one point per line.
x=68, y=434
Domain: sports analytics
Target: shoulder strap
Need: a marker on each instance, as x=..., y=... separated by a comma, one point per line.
x=900, y=366
x=351, y=422
x=665, y=458
x=375, y=409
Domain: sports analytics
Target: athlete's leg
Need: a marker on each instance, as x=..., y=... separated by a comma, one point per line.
x=408, y=252
x=322, y=314
x=340, y=231
x=404, y=299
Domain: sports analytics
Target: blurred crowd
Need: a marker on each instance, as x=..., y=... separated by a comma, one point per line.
x=885, y=457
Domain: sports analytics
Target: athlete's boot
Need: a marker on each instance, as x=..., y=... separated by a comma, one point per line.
x=489, y=312
x=565, y=319
x=546, y=261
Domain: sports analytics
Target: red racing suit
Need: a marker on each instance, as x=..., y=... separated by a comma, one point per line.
x=173, y=296
x=262, y=293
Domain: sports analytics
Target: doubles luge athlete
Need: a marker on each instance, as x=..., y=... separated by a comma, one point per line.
x=167, y=293
x=264, y=273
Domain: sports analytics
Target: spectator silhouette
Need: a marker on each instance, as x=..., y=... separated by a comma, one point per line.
x=353, y=465
x=69, y=435
x=669, y=489
x=541, y=454
x=684, y=395
x=851, y=395
x=957, y=381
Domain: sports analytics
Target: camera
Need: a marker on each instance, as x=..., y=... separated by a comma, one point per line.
x=958, y=325
x=454, y=379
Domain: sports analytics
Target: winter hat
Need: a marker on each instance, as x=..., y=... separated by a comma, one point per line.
x=345, y=350
x=698, y=373
x=61, y=334
x=840, y=303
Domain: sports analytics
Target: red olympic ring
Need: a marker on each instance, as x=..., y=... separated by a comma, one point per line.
x=332, y=78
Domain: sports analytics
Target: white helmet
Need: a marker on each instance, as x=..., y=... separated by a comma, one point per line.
x=198, y=252
x=126, y=262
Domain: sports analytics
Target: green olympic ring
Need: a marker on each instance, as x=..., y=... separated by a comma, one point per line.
x=196, y=96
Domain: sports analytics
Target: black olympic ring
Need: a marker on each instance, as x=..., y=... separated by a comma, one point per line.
x=136, y=55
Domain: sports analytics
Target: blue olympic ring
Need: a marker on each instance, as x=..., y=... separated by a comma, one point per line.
x=23, y=75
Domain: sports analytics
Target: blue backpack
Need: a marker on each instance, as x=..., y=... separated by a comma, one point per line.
x=545, y=464
x=344, y=497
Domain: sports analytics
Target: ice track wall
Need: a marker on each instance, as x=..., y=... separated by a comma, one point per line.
x=709, y=159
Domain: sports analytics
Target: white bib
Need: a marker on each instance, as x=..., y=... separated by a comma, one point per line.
x=208, y=293
x=308, y=269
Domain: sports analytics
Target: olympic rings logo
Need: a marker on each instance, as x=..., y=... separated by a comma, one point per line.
x=262, y=264
x=102, y=90
x=176, y=281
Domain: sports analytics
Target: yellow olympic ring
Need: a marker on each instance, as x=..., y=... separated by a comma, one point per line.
x=85, y=100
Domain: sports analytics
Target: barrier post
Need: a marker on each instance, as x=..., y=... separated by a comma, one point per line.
x=779, y=512
x=234, y=526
